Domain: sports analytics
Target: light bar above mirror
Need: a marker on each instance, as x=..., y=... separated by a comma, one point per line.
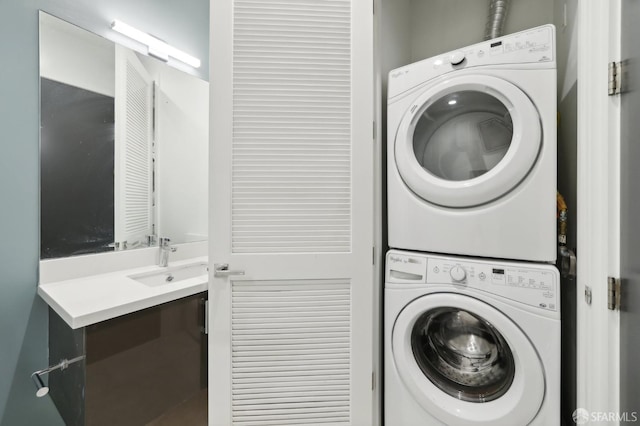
x=156, y=47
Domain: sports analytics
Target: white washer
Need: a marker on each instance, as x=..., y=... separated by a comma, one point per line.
x=470, y=342
x=472, y=150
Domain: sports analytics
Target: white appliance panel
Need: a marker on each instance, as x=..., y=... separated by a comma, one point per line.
x=505, y=294
x=505, y=210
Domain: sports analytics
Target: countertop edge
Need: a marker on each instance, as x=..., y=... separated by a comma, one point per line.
x=116, y=310
x=119, y=310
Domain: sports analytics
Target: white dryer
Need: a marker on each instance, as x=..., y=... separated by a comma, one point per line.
x=470, y=342
x=472, y=150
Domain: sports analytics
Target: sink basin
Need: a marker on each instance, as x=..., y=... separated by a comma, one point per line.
x=171, y=275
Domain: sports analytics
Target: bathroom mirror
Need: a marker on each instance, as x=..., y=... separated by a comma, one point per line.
x=123, y=146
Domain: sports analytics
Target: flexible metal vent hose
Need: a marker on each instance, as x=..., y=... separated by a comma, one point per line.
x=498, y=10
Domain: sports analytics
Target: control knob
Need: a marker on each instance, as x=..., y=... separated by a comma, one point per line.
x=458, y=274
x=456, y=57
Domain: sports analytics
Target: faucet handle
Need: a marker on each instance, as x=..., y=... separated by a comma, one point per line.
x=151, y=240
x=164, y=241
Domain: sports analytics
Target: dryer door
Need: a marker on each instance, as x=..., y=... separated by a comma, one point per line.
x=466, y=363
x=467, y=141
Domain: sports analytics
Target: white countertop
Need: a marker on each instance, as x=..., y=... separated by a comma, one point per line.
x=91, y=299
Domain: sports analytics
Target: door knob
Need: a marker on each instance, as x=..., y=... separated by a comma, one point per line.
x=222, y=270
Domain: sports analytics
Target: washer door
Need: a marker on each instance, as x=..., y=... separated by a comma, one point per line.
x=468, y=141
x=466, y=363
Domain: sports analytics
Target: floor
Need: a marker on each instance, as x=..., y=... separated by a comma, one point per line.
x=192, y=412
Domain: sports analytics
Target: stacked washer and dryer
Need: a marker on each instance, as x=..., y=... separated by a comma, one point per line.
x=472, y=308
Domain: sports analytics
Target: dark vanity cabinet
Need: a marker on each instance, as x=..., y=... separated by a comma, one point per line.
x=145, y=368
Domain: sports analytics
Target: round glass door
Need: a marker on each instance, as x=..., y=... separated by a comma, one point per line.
x=467, y=141
x=462, y=135
x=462, y=354
x=466, y=362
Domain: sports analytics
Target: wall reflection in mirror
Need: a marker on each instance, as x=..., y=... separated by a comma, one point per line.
x=124, y=146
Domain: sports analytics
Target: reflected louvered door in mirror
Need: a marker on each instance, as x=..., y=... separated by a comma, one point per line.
x=290, y=339
x=133, y=192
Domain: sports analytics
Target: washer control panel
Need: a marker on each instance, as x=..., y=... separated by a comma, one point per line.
x=532, y=284
x=535, y=286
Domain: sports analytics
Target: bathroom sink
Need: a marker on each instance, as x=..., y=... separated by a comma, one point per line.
x=171, y=275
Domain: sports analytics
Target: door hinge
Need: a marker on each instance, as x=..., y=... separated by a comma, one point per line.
x=613, y=293
x=615, y=78
x=373, y=380
x=374, y=130
x=373, y=252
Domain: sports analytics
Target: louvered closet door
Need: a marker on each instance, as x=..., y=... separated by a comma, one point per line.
x=133, y=192
x=291, y=206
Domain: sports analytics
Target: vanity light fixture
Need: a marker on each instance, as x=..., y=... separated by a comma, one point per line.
x=157, y=47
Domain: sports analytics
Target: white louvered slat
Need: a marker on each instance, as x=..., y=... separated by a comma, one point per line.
x=291, y=339
x=133, y=189
x=138, y=147
x=291, y=352
x=291, y=146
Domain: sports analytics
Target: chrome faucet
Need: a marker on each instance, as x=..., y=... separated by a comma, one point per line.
x=165, y=249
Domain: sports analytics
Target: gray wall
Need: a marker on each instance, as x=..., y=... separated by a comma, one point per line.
x=440, y=26
x=567, y=44
x=23, y=316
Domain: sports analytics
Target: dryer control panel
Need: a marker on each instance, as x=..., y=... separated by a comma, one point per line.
x=532, y=284
x=532, y=48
